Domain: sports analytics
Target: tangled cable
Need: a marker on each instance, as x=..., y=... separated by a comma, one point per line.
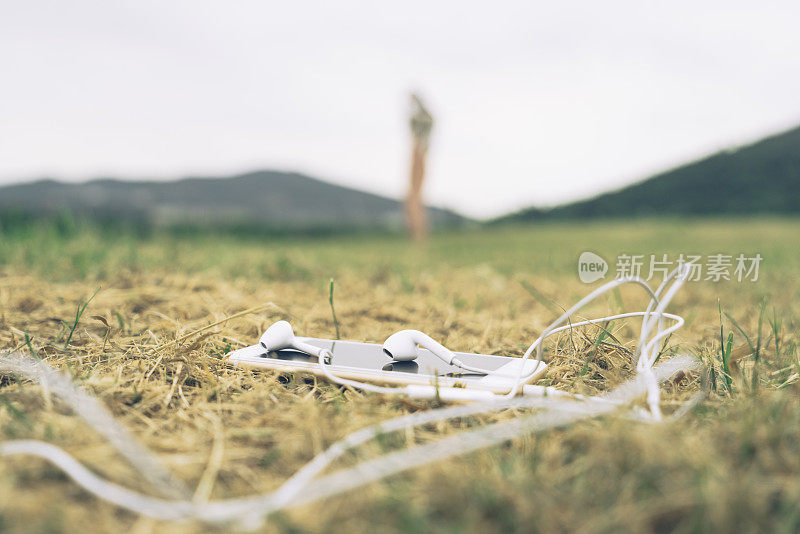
x=306, y=485
x=645, y=353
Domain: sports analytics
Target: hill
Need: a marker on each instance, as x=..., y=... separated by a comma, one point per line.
x=269, y=199
x=761, y=178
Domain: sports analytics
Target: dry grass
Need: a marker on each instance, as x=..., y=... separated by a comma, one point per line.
x=732, y=464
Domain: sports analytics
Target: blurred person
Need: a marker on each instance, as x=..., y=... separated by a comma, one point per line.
x=421, y=123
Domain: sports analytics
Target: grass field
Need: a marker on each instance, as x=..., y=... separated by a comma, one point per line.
x=732, y=464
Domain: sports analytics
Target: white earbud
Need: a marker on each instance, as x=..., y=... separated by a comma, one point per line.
x=402, y=346
x=281, y=336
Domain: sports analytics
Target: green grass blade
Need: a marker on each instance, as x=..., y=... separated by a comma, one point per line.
x=78, y=316
x=333, y=310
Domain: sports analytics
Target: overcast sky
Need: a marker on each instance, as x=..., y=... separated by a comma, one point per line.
x=536, y=103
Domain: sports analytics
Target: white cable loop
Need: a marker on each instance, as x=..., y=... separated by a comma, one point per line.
x=299, y=489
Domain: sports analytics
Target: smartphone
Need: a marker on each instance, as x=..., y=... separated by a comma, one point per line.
x=367, y=362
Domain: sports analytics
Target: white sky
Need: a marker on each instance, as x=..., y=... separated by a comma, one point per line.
x=536, y=103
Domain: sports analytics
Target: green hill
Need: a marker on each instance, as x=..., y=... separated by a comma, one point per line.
x=761, y=178
x=266, y=199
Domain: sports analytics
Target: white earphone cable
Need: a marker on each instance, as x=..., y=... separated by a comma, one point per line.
x=298, y=489
x=643, y=353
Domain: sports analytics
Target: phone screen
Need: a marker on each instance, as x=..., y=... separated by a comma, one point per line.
x=370, y=356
